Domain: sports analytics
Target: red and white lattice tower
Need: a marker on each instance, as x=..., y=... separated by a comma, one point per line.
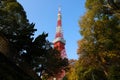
x=59, y=42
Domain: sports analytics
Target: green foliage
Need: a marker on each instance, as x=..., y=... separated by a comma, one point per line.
x=43, y=58
x=71, y=73
x=114, y=73
x=89, y=68
x=15, y=26
x=99, y=49
x=9, y=71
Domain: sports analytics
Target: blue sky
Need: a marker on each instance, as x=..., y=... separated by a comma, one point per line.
x=44, y=14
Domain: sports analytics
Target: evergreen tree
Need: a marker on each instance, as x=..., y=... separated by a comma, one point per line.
x=15, y=26
x=43, y=58
x=99, y=49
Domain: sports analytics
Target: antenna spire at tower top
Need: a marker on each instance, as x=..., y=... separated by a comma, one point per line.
x=59, y=9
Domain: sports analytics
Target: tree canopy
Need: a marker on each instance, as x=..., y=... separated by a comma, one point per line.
x=99, y=48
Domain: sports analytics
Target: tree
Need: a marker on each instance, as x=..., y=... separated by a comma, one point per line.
x=43, y=58
x=15, y=26
x=71, y=73
x=99, y=49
